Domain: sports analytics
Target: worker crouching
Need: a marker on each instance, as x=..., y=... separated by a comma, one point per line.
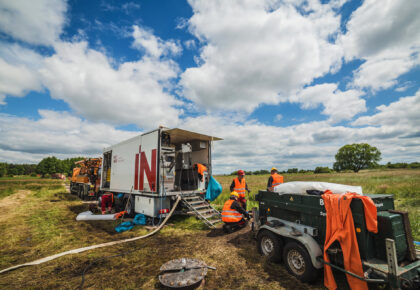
x=107, y=200
x=233, y=214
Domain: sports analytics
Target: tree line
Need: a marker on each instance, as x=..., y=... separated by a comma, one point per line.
x=46, y=167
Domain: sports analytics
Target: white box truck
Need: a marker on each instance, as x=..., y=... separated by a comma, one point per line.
x=149, y=170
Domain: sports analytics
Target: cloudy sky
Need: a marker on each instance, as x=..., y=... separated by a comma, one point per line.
x=285, y=83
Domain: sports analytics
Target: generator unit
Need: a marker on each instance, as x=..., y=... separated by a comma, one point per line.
x=149, y=170
x=294, y=225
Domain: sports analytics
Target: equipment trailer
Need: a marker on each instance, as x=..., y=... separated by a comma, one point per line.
x=85, y=180
x=148, y=171
x=293, y=226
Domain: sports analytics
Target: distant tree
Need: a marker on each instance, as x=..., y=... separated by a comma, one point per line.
x=3, y=169
x=292, y=170
x=261, y=172
x=49, y=165
x=356, y=156
x=322, y=170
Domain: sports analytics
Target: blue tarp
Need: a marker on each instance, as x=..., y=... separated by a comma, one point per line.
x=125, y=226
x=140, y=219
x=213, y=189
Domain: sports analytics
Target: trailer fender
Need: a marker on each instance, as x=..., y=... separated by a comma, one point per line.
x=306, y=240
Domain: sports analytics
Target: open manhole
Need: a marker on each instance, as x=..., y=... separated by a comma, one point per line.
x=184, y=272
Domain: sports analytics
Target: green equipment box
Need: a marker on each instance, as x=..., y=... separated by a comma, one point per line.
x=309, y=210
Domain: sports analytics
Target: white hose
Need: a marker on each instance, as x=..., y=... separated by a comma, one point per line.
x=76, y=251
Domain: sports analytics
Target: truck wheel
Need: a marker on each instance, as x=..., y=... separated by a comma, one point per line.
x=270, y=245
x=298, y=262
x=79, y=191
x=129, y=206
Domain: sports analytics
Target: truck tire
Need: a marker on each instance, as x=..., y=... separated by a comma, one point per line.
x=79, y=191
x=129, y=207
x=270, y=245
x=298, y=262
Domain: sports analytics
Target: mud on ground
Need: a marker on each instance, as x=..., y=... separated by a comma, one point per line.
x=39, y=224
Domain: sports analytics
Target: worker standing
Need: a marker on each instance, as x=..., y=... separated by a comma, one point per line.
x=233, y=213
x=239, y=185
x=200, y=170
x=274, y=180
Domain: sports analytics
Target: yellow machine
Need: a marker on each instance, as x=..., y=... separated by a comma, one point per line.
x=85, y=181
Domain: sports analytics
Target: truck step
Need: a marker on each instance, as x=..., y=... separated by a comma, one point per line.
x=201, y=206
x=202, y=209
x=208, y=216
x=196, y=202
x=192, y=198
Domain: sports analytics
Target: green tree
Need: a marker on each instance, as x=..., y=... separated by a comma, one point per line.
x=356, y=157
x=49, y=165
x=3, y=169
x=320, y=169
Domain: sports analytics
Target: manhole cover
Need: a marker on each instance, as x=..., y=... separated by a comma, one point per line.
x=183, y=272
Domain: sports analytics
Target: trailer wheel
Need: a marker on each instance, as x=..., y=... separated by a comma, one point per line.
x=298, y=262
x=270, y=245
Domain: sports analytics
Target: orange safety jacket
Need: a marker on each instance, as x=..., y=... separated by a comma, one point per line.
x=240, y=187
x=201, y=168
x=230, y=215
x=340, y=227
x=277, y=180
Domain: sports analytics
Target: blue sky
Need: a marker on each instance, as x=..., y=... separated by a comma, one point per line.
x=285, y=83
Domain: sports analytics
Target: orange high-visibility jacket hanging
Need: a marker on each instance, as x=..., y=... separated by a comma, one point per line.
x=340, y=227
x=240, y=187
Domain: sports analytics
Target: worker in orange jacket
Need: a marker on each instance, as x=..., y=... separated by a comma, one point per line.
x=274, y=180
x=200, y=170
x=232, y=211
x=340, y=227
x=239, y=185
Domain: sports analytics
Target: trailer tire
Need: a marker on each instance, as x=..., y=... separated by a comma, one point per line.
x=270, y=245
x=298, y=262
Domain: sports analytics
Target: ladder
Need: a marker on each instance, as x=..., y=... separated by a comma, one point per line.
x=202, y=209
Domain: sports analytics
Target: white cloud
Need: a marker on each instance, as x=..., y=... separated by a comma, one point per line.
x=337, y=104
x=394, y=129
x=131, y=93
x=258, y=52
x=278, y=117
x=16, y=80
x=18, y=71
x=386, y=34
x=153, y=45
x=190, y=44
x=55, y=133
x=35, y=21
x=401, y=114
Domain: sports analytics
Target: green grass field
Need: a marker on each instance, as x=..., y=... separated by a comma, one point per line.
x=37, y=219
